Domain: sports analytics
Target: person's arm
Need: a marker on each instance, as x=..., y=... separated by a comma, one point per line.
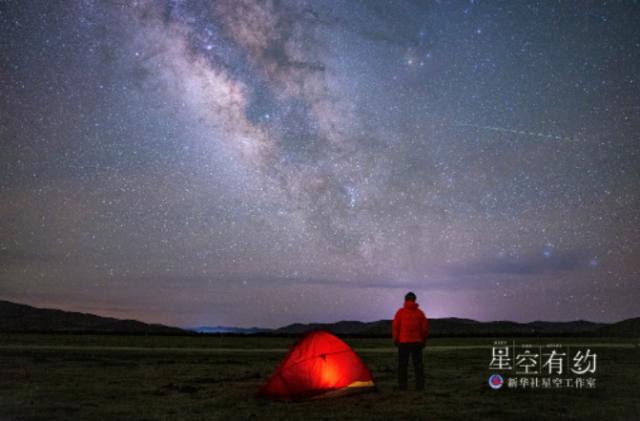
x=396, y=328
x=425, y=329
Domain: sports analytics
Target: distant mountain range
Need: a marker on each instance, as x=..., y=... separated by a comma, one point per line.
x=229, y=329
x=24, y=318
x=467, y=327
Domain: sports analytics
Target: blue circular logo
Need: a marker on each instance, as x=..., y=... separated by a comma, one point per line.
x=496, y=381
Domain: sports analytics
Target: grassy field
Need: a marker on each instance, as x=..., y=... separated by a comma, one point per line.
x=69, y=377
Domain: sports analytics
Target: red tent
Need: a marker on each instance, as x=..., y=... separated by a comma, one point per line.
x=318, y=365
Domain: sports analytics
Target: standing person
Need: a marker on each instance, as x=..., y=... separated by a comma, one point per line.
x=410, y=330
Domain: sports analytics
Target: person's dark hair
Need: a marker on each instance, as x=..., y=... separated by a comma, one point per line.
x=410, y=296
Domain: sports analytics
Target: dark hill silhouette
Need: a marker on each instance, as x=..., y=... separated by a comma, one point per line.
x=466, y=327
x=628, y=327
x=24, y=318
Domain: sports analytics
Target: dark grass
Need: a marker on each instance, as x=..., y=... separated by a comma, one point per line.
x=195, y=378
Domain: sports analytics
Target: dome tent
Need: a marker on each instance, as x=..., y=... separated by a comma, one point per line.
x=318, y=365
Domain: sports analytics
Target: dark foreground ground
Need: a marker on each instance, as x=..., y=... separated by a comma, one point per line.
x=61, y=377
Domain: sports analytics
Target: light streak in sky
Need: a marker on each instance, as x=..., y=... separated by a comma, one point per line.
x=519, y=132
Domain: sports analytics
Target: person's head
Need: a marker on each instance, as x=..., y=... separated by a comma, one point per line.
x=410, y=296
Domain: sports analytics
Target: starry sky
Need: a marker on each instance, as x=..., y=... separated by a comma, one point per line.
x=262, y=163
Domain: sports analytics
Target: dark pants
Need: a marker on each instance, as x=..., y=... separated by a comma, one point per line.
x=415, y=351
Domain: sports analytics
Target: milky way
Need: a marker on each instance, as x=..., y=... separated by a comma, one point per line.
x=261, y=163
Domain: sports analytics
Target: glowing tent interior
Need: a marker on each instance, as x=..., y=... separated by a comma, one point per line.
x=318, y=365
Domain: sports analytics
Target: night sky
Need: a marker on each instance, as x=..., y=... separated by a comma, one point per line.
x=263, y=163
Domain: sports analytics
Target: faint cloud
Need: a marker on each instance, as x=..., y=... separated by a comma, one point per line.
x=14, y=256
x=527, y=265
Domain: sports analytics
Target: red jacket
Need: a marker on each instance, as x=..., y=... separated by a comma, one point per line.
x=410, y=324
